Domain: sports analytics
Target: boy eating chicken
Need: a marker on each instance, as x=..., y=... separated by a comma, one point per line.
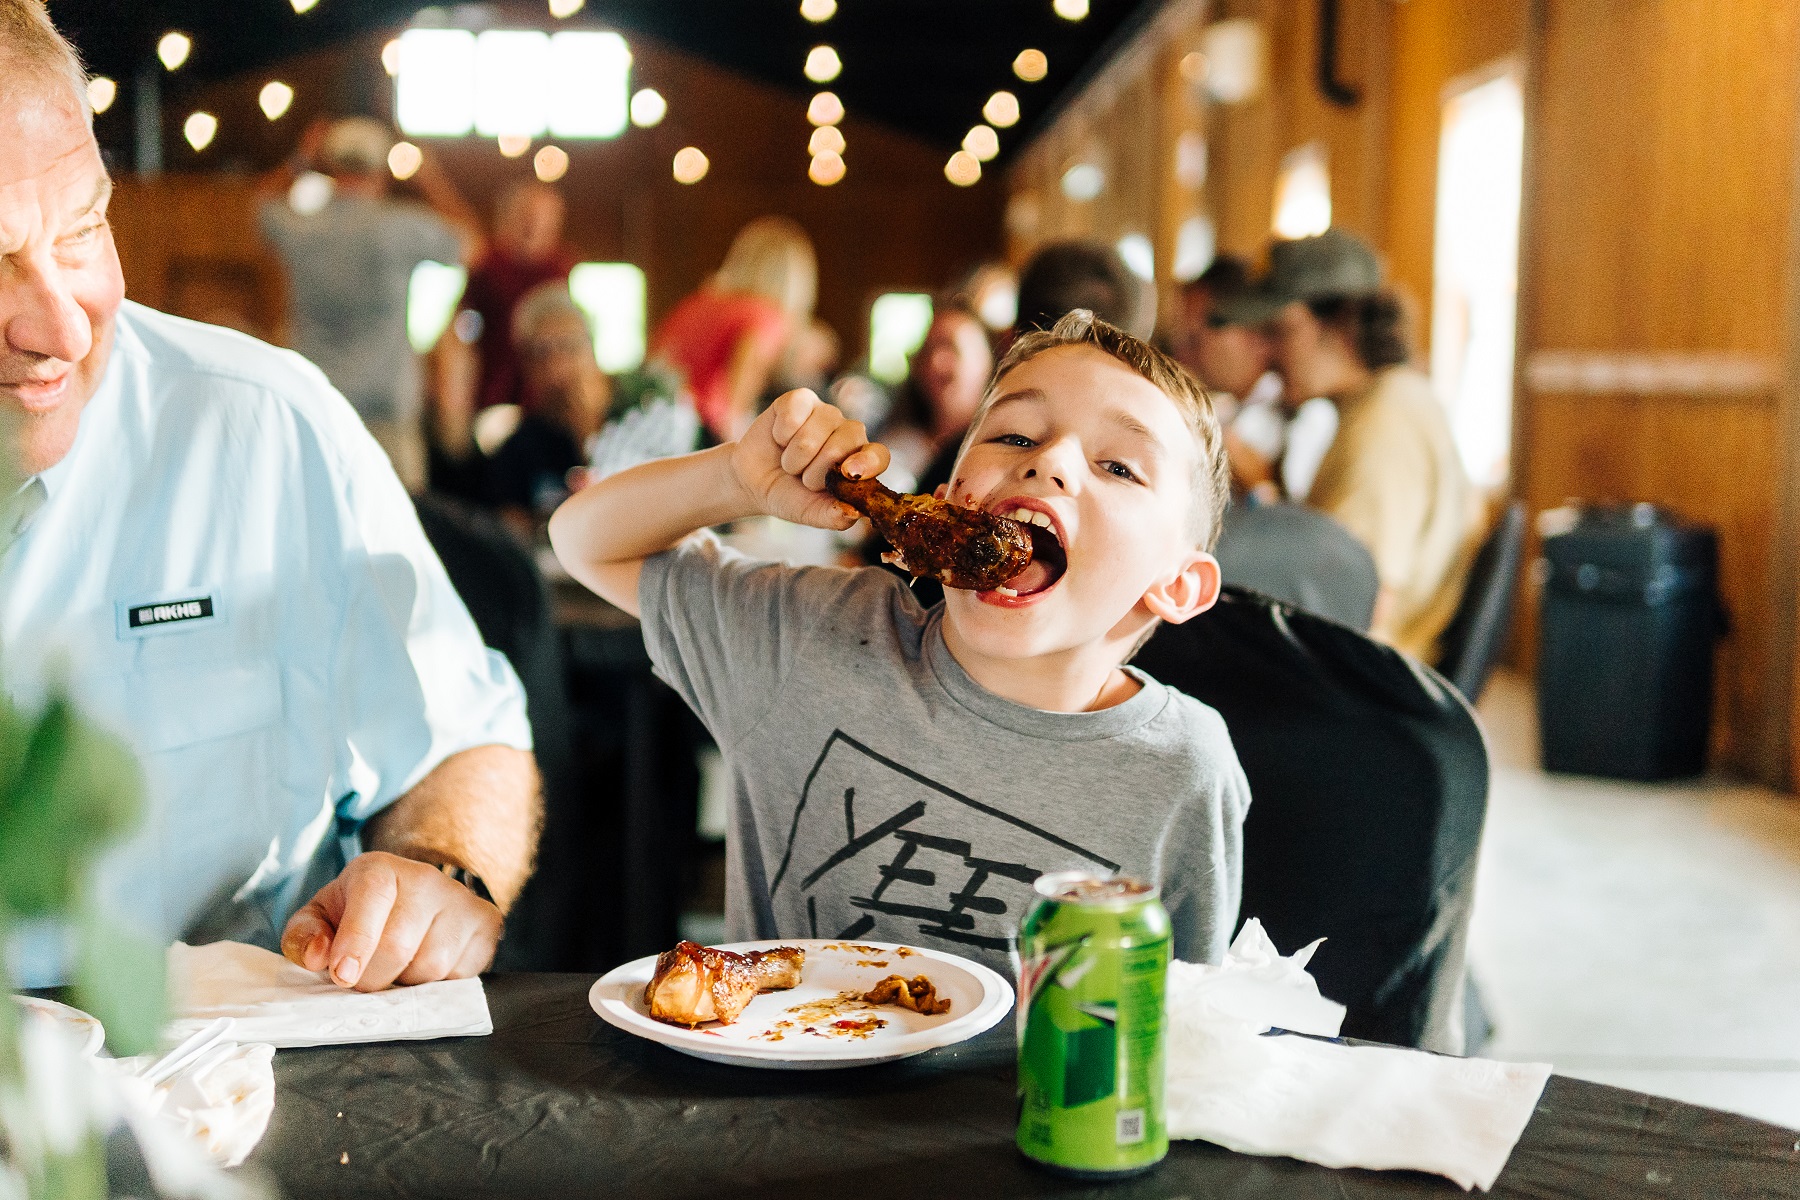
x=904, y=774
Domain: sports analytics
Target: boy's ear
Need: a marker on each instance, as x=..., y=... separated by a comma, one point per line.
x=1189, y=590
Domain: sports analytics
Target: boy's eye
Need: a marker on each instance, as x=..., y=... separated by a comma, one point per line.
x=1014, y=439
x=1119, y=470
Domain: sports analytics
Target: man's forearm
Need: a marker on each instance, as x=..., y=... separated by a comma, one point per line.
x=479, y=809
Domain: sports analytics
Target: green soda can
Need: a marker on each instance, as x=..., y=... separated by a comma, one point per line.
x=1093, y=959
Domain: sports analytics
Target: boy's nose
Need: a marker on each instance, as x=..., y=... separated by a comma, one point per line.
x=1032, y=473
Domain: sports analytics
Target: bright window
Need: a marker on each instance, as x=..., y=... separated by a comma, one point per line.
x=1475, y=280
x=1303, y=193
x=434, y=93
x=512, y=93
x=515, y=82
x=612, y=296
x=898, y=323
x=590, y=85
x=431, y=301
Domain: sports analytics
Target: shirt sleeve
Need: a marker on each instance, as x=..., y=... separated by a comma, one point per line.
x=427, y=237
x=725, y=630
x=1202, y=857
x=413, y=680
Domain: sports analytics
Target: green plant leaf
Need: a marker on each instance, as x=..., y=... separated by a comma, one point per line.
x=75, y=791
x=119, y=980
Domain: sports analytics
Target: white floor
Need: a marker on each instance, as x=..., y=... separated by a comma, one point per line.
x=1642, y=936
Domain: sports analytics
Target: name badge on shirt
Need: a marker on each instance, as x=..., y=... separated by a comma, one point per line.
x=166, y=616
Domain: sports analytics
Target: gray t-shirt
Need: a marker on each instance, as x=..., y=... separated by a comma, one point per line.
x=349, y=267
x=880, y=793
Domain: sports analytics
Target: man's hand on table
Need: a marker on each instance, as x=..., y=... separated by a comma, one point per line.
x=389, y=920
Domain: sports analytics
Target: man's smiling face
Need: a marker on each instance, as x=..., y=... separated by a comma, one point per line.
x=60, y=283
x=1081, y=444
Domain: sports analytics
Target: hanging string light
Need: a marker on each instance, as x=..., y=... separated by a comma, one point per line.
x=304, y=6
x=173, y=48
x=690, y=165
x=648, y=108
x=827, y=168
x=274, y=99
x=963, y=169
x=982, y=142
x=513, y=145
x=101, y=93
x=1031, y=65
x=405, y=159
x=199, y=129
x=1001, y=110
x=390, y=57
x=550, y=164
x=818, y=10
x=825, y=109
x=823, y=64
x=826, y=139
x=1071, y=10
x=561, y=9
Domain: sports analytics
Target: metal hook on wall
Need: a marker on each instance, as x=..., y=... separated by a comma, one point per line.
x=1334, y=89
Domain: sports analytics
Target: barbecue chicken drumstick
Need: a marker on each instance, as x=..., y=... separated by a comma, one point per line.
x=694, y=984
x=959, y=547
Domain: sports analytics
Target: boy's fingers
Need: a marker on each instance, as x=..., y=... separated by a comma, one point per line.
x=867, y=462
x=791, y=411
x=809, y=439
x=844, y=443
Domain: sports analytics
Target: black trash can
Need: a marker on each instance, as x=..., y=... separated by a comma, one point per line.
x=1630, y=615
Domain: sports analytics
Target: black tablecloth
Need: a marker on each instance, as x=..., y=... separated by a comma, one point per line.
x=557, y=1103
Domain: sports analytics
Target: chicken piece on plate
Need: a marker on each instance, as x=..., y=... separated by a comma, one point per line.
x=918, y=994
x=959, y=547
x=694, y=984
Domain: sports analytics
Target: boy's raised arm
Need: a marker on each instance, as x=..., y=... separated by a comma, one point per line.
x=603, y=534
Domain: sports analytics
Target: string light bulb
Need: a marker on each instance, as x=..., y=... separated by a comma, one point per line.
x=826, y=139
x=101, y=93
x=404, y=160
x=390, y=57
x=512, y=145
x=199, y=129
x=550, y=164
x=304, y=6
x=565, y=8
x=823, y=64
x=818, y=10
x=825, y=109
x=963, y=169
x=648, y=108
x=690, y=165
x=982, y=142
x=827, y=168
x=173, y=48
x=274, y=99
x=1071, y=10
x=1031, y=65
x=1001, y=110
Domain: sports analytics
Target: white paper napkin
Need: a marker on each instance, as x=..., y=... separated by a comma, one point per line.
x=272, y=1000
x=221, y=1102
x=1339, y=1106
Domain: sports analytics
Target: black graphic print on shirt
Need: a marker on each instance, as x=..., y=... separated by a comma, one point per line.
x=878, y=850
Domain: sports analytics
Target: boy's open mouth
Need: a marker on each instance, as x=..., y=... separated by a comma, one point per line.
x=1048, y=558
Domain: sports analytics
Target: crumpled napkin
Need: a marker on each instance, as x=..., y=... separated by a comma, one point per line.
x=272, y=1000
x=1336, y=1105
x=222, y=1102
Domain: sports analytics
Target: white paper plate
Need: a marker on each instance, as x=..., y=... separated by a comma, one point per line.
x=770, y=1033
x=85, y=1029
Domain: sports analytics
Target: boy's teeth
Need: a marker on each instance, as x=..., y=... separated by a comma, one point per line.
x=1004, y=591
x=1030, y=516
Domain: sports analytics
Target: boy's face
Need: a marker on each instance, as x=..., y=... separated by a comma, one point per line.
x=1078, y=439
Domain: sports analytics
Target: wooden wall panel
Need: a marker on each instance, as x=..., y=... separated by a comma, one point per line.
x=894, y=222
x=1659, y=222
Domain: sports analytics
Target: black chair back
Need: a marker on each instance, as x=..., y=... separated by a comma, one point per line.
x=1368, y=782
x=499, y=583
x=1477, y=633
x=1301, y=557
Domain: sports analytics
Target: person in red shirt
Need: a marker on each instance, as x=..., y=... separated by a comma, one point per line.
x=725, y=339
x=527, y=251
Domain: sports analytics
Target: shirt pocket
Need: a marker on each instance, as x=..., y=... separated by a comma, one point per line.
x=167, y=708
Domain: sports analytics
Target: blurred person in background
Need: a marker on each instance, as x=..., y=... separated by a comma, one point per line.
x=212, y=556
x=566, y=398
x=944, y=384
x=1392, y=476
x=1274, y=441
x=526, y=252
x=1065, y=276
x=350, y=250
x=725, y=340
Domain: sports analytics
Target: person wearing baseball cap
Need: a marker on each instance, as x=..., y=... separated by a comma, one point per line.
x=1393, y=476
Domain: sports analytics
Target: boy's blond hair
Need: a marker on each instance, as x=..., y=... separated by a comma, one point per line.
x=1211, y=482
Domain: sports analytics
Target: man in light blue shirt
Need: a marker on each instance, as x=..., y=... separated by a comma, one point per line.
x=216, y=559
